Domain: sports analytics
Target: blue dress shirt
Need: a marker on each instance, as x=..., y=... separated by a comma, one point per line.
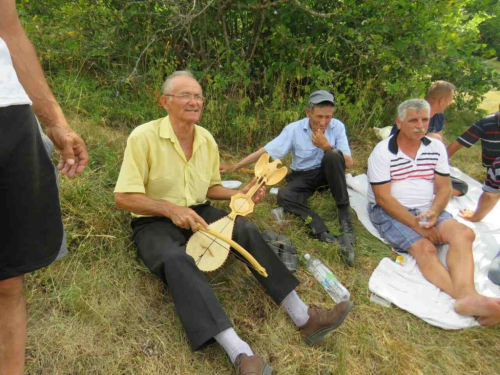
x=296, y=138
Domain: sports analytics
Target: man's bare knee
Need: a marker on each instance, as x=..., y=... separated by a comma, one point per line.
x=455, y=232
x=469, y=234
x=11, y=288
x=423, y=250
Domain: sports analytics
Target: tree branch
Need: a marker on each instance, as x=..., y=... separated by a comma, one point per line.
x=312, y=12
x=261, y=7
x=258, y=32
x=224, y=29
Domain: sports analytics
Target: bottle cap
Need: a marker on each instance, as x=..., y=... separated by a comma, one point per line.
x=307, y=256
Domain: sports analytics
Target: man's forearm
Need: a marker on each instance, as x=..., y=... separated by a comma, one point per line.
x=30, y=74
x=452, y=148
x=140, y=204
x=486, y=203
x=250, y=159
x=441, y=200
x=392, y=206
x=443, y=191
x=219, y=192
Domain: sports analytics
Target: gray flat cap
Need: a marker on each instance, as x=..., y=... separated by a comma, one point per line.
x=321, y=96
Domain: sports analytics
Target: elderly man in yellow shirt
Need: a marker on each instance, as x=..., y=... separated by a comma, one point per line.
x=170, y=168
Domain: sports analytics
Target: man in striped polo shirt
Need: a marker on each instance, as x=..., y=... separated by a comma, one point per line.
x=488, y=131
x=409, y=189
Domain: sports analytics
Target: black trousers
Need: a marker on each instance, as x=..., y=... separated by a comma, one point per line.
x=162, y=247
x=302, y=184
x=32, y=232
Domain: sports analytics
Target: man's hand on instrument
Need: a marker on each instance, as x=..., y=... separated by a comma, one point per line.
x=259, y=194
x=319, y=140
x=185, y=217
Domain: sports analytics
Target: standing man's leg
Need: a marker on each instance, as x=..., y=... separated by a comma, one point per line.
x=13, y=319
x=32, y=232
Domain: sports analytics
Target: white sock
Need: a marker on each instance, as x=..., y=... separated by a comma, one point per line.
x=232, y=344
x=296, y=308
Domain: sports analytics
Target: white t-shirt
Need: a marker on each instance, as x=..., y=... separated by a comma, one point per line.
x=412, y=180
x=11, y=91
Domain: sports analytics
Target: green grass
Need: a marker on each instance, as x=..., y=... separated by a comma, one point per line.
x=100, y=311
x=491, y=100
x=495, y=64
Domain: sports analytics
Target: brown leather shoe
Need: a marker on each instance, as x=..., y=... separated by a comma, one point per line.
x=251, y=365
x=323, y=321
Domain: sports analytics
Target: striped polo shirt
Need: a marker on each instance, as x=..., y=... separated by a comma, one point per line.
x=488, y=131
x=412, y=180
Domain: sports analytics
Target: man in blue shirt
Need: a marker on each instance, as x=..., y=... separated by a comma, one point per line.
x=320, y=156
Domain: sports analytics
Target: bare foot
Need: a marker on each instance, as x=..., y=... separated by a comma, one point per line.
x=486, y=309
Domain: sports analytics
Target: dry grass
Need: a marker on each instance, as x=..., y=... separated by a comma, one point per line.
x=99, y=311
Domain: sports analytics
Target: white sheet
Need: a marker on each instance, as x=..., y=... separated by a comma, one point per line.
x=404, y=284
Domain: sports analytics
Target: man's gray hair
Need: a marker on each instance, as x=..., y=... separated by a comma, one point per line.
x=416, y=104
x=324, y=104
x=167, y=88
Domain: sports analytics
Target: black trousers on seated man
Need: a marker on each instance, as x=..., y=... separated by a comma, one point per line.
x=302, y=184
x=162, y=247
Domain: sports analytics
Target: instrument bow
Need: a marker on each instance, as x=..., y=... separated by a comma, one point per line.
x=210, y=248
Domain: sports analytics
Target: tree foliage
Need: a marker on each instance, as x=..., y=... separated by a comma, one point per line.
x=490, y=27
x=258, y=59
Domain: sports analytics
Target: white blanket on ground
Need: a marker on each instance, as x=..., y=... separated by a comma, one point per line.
x=404, y=285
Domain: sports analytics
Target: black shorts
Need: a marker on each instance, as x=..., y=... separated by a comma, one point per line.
x=32, y=232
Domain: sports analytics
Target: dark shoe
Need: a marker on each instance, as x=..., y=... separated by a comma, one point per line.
x=288, y=249
x=346, y=228
x=346, y=249
x=284, y=240
x=251, y=365
x=289, y=260
x=326, y=237
x=269, y=235
x=288, y=252
x=274, y=247
x=460, y=187
x=323, y=321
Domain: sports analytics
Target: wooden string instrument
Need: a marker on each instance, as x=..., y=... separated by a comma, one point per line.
x=210, y=248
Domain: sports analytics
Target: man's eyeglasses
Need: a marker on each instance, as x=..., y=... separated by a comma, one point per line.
x=187, y=97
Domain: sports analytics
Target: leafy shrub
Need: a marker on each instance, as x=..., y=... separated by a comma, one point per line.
x=258, y=60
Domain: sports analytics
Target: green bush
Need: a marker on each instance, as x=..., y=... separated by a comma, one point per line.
x=258, y=60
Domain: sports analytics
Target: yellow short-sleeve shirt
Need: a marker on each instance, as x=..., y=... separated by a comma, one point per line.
x=154, y=164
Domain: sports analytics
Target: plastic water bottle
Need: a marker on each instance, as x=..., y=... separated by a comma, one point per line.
x=332, y=285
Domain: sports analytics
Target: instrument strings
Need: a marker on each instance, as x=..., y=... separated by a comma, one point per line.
x=237, y=256
x=260, y=181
